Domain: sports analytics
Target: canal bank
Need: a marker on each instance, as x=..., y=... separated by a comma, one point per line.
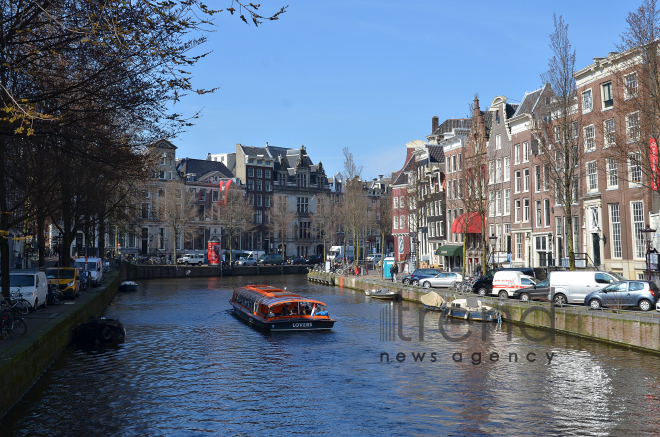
x=627, y=328
x=49, y=332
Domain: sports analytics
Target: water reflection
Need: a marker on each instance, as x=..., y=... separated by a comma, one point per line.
x=189, y=367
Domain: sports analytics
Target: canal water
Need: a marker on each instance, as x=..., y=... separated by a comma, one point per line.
x=188, y=367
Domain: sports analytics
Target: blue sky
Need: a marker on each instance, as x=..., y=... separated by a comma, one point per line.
x=369, y=75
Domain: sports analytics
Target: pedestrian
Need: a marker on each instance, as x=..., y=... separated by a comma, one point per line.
x=395, y=270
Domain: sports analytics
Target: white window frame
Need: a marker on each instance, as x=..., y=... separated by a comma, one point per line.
x=637, y=223
x=507, y=201
x=516, y=155
x=498, y=171
x=602, y=96
x=627, y=86
x=615, y=231
x=525, y=180
x=634, y=172
x=612, y=173
x=525, y=210
x=546, y=213
x=592, y=177
x=609, y=133
x=518, y=209
x=525, y=151
x=587, y=101
x=539, y=214
x=507, y=169
x=517, y=182
x=537, y=179
x=498, y=141
x=589, y=138
x=632, y=127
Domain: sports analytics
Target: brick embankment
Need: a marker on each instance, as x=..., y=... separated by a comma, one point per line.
x=140, y=271
x=628, y=328
x=49, y=331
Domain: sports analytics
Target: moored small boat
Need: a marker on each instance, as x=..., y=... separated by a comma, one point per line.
x=274, y=309
x=128, y=286
x=471, y=309
x=433, y=301
x=384, y=293
x=102, y=330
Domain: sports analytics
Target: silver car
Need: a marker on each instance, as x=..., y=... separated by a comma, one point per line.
x=444, y=280
x=246, y=262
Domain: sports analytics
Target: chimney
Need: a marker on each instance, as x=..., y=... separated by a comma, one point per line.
x=434, y=124
x=380, y=176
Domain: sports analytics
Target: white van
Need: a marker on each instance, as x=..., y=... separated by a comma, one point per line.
x=93, y=267
x=253, y=254
x=506, y=282
x=192, y=258
x=32, y=285
x=573, y=287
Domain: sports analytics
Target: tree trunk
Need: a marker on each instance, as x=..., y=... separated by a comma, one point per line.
x=41, y=239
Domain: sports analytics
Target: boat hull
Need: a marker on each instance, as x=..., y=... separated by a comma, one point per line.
x=124, y=286
x=283, y=325
x=432, y=308
x=479, y=316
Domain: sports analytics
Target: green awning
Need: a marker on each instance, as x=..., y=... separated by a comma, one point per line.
x=450, y=250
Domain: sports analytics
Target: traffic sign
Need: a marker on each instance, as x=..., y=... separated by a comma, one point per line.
x=508, y=257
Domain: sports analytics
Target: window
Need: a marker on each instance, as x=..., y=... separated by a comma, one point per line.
x=258, y=184
x=267, y=186
x=259, y=199
x=609, y=133
x=498, y=171
x=546, y=177
x=557, y=134
x=251, y=199
x=491, y=208
x=215, y=195
x=304, y=230
x=250, y=171
x=612, y=173
x=525, y=151
x=635, y=170
x=259, y=217
x=453, y=162
x=517, y=208
x=498, y=202
x=630, y=86
x=507, y=198
x=401, y=202
x=539, y=217
x=606, y=94
x=282, y=179
x=537, y=178
x=525, y=210
x=395, y=222
x=402, y=222
x=258, y=172
x=202, y=194
x=267, y=173
x=491, y=172
x=396, y=203
x=267, y=201
x=303, y=204
x=145, y=210
x=498, y=138
x=302, y=179
x=587, y=102
x=519, y=246
x=638, y=225
x=589, y=138
x=516, y=156
x=458, y=162
x=592, y=176
x=546, y=205
x=517, y=181
x=574, y=129
x=615, y=220
x=507, y=169
x=250, y=184
x=632, y=126
x=526, y=180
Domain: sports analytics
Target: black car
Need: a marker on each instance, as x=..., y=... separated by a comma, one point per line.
x=314, y=259
x=483, y=285
x=296, y=260
x=535, y=292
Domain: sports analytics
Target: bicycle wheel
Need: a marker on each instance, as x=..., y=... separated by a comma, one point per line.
x=4, y=332
x=19, y=327
x=23, y=306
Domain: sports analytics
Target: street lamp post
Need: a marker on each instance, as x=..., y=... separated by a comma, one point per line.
x=648, y=232
x=493, y=240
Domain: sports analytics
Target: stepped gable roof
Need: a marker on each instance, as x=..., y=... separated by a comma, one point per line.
x=436, y=153
x=254, y=151
x=200, y=167
x=453, y=123
x=528, y=102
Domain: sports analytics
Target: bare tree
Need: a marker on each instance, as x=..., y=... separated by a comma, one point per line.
x=325, y=219
x=235, y=215
x=382, y=220
x=557, y=129
x=281, y=219
x=175, y=209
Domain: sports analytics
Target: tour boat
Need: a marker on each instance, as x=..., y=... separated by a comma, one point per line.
x=274, y=309
x=471, y=309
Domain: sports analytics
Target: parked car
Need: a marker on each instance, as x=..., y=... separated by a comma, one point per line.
x=622, y=294
x=296, y=260
x=537, y=291
x=246, y=262
x=484, y=284
x=314, y=259
x=573, y=287
x=32, y=285
x=92, y=265
x=445, y=279
x=66, y=279
x=192, y=258
x=270, y=258
x=506, y=282
x=419, y=274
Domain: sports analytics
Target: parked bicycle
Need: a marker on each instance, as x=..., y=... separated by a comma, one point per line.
x=21, y=305
x=55, y=295
x=10, y=321
x=464, y=286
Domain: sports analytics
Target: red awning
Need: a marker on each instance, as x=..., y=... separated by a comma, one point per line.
x=473, y=223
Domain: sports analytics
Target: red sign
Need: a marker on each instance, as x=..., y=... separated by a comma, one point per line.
x=214, y=248
x=654, y=163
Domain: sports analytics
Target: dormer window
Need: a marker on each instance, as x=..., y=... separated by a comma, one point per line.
x=302, y=180
x=283, y=179
x=497, y=116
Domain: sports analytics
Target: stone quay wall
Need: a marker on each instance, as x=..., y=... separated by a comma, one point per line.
x=636, y=329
